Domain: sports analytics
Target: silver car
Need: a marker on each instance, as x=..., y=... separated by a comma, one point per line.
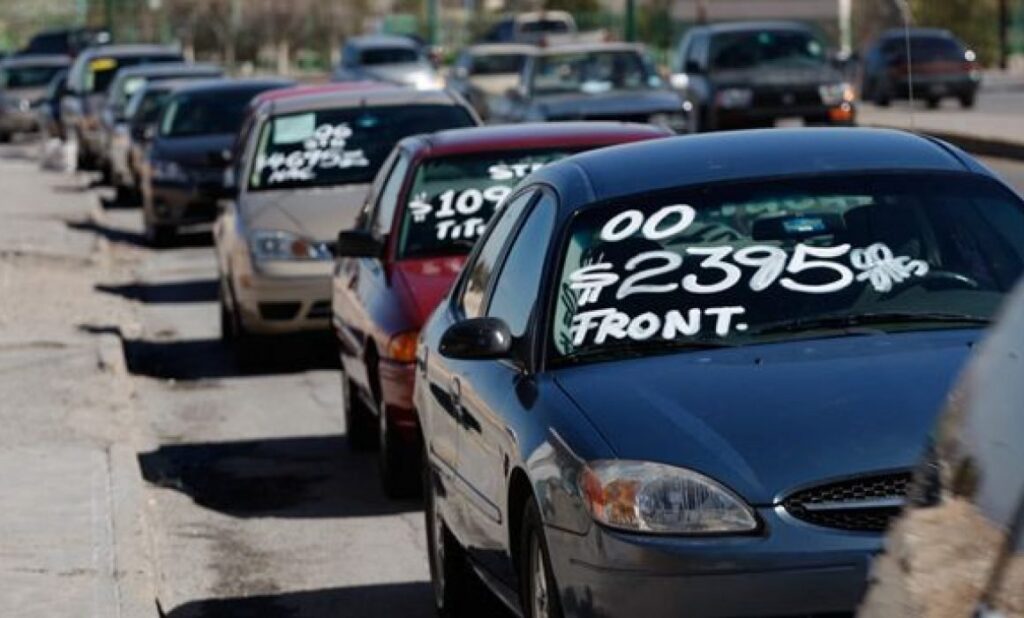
x=303, y=169
x=385, y=58
x=23, y=84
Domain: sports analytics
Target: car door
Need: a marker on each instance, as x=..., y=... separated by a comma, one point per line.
x=491, y=407
x=360, y=285
x=444, y=377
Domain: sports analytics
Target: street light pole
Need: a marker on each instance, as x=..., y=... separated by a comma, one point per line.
x=630, y=20
x=1004, y=23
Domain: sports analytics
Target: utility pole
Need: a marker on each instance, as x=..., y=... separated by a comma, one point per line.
x=630, y=20
x=1004, y=25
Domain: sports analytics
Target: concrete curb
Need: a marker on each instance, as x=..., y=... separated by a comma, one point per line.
x=974, y=144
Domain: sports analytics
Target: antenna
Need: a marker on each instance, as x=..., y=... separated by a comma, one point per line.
x=907, y=15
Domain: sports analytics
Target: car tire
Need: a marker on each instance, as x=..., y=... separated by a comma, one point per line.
x=397, y=461
x=160, y=234
x=452, y=580
x=967, y=100
x=539, y=593
x=360, y=425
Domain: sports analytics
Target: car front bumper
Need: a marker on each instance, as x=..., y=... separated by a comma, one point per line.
x=811, y=114
x=277, y=303
x=183, y=203
x=790, y=569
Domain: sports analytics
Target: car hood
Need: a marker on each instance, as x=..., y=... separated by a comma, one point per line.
x=766, y=420
x=193, y=151
x=408, y=74
x=318, y=214
x=781, y=77
x=608, y=104
x=422, y=283
x=32, y=95
x=497, y=84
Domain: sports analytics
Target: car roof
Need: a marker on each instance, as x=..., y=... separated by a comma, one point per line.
x=578, y=48
x=484, y=49
x=313, y=90
x=135, y=49
x=382, y=40
x=55, y=60
x=225, y=85
x=752, y=26
x=158, y=69
x=530, y=135
x=898, y=33
x=696, y=160
x=360, y=97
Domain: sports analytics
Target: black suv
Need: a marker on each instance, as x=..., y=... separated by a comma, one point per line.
x=941, y=66
x=751, y=74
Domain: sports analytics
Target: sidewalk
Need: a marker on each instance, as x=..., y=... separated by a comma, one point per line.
x=994, y=127
x=72, y=541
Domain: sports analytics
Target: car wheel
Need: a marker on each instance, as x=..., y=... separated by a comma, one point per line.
x=360, y=426
x=539, y=592
x=396, y=460
x=450, y=577
x=967, y=100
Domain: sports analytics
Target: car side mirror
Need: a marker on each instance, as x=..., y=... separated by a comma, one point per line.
x=693, y=67
x=477, y=339
x=359, y=244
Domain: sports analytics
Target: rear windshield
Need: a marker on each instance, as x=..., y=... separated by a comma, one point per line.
x=926, y=49
x=452, y=198
x=388, y=55
x=746, y=50
x=770, y=261
x=27, y=77
x=206, y=113
x=496, y=64
x=100, y=71
x=341, y=146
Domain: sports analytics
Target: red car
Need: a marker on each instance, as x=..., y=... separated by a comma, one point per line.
x=427, y=206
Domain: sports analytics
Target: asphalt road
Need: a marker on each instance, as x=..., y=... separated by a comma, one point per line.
x=255, y=505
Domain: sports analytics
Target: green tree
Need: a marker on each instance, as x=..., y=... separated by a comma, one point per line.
x=976, y=22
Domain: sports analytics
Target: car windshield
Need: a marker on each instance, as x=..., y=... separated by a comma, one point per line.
x=27, y=76
x=770, y=261
x=452, y=198
x=552, y=26
x=926, y=49
x=100, y=71
x=341, y=146
x=388, y=55
x=206, y=112
x=592, y=73
x=145, y=105
x=747, y=50
x=497, y=64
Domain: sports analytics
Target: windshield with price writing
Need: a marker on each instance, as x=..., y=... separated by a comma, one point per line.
x=729, y=263
x=452, y=198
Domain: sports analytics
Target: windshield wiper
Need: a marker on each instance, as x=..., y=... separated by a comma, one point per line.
x=634, y=349
x=863, y=319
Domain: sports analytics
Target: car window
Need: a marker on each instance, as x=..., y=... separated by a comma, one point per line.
x=341, y=146
x=516, y=288
x=388, y=55
x=101, y=70
x=696, y=53
x=453, y=197
x=766, y=48
x=207, y=112
x=479, y=273
x=760, y=262
x=27, y=76
x=387, y=202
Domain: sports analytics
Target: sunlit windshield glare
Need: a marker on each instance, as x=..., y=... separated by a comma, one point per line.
x=753, y=263
x=593, y=73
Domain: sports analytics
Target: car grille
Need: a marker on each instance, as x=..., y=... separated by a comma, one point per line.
x=865, y=504
x=786, y=98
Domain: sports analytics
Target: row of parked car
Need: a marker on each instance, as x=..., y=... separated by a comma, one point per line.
x=630, y=373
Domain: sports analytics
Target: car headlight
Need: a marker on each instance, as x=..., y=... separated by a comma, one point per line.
x=731, y=98
x=276, y=245
x=836, y=94
x=168, y=171
x=650, y=497
x=672, y=121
